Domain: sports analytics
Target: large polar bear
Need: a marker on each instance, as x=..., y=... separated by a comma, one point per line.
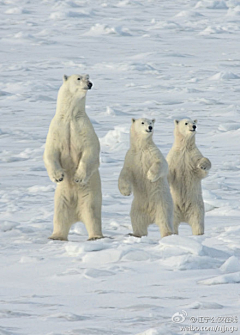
x=145, y=173
x=71, y=158
x=187, y=167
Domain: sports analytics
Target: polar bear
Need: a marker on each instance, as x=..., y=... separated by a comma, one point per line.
x=145, y=173
x=71, y=158
x=187, y=167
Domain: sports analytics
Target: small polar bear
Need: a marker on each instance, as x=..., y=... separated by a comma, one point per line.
x=145, y=173
x=187, y=167
x=71, y=158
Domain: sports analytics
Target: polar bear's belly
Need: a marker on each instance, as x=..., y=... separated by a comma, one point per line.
x=70, y=151
x=69, y=160
x=185, y=188
x=141, y=184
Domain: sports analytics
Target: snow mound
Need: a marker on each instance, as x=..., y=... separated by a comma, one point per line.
x=229, y=126
x=224, y=75
x=189, y=14
x=128, y=67
x=189, y=253
x=191, y=262
x=62, y=15
x=113, y=112
x=4, y=93
x=7, y=225
x=211, y=200
x=102, y=257
x=203, y=305
x=116, y=139
x=176, y=244
x=209, y=4
x=96, y=274
x=67, y=317
x=29, y=259
x=231, y=278
x=103, y=29
x=136, y=255
x=38, y=189
x=168, y=25
x=233, y=3
x=213, y=30
x=232, y=264
x=125, y=3
x=74, y=249
x=234, y=11
x=16, y=11
x=160, y=331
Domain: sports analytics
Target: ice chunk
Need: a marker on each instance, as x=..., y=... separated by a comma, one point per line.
x=7, y=225
x=203, y=305
x=230, y=278
x=185, y=244
x=229, y=126
x=232, y=264
x=224, y=75
x=94, y=273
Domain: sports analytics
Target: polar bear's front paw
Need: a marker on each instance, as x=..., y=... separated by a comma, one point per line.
x=57, y=176
x=204, y=164
x=125, y=190
x=81, y=177
x=152, y=176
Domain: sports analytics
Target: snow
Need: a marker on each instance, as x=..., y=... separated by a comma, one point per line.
x=162, y=60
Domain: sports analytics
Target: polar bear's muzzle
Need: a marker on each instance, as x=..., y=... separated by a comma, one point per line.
x=194, y=128
x=149, y=130
x=89, y=85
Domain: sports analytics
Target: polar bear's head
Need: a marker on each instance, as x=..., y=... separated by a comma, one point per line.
x=77, y=83
x=185, y=127
x=143, y=127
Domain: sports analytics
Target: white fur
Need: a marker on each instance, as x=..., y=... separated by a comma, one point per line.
x=187, y=167
x=145, y=173
x=71, y=158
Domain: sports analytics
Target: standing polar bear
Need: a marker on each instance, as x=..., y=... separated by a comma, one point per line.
x=145, y=173
x=71, y=158
x=187, y=167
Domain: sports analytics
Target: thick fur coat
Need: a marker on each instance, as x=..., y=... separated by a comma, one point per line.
x=71, y=158
x=187, y=167
x=145, y=173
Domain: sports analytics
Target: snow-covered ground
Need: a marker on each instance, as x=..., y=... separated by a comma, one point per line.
x=161, y=59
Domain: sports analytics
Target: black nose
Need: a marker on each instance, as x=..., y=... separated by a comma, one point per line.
x=90, y=85
x=194, y=127
x=150, y=127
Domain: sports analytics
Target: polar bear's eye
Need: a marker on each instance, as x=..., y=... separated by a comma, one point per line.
x=142, y=122
x=79, y=78
x=186, y=124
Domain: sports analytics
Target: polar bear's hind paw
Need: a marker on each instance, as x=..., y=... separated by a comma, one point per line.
x=57, y=238
x=94, y=238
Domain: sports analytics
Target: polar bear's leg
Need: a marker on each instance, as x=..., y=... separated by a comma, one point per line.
x=140, y=220
x=91, y=217
x=90, y=214
x=196, y=220
x=164, y=219
x=197, y=226
x=63, y=215
x=176, y=220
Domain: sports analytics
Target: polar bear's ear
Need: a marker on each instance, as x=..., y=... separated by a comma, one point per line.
x=133, y=120
x=65, y=78
x=176, y=122
x=153, y=120
x=195, y=121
